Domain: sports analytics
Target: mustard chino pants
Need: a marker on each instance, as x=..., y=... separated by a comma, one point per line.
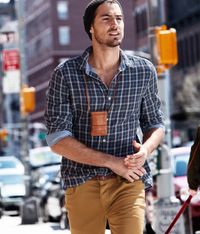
x=90, y=205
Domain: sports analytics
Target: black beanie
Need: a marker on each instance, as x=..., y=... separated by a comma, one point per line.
x=90, y=11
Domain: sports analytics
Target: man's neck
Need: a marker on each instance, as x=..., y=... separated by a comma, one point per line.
x=105, y=58
x=106, y=63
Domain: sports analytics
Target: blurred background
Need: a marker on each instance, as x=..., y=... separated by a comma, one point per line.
x=35, y=36
x=52, y=31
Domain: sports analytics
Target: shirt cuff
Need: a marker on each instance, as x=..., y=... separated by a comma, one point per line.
x=53, y=138
x=154, y=126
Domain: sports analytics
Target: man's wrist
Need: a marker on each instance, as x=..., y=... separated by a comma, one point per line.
x=147, y=150
x=110, y=161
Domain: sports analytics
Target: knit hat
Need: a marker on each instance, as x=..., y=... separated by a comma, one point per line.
x=90, y=11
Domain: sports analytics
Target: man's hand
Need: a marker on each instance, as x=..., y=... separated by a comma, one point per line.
x=192, y=192
x=138, y=159
x=119, y=168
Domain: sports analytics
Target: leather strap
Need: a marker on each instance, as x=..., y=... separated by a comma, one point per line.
x=88, y=96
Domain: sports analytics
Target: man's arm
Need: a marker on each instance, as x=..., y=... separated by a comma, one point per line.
x=74, y=150
x=151, y=140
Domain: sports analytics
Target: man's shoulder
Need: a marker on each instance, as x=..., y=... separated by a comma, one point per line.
x=76, y=62
x=72, y=62
x=138, y=60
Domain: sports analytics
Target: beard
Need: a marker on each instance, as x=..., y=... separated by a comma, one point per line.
x=109, y=42
x=114, y=42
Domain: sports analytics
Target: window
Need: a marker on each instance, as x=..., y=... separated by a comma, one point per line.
x=62, y=10
x=141, y=20
x=64, y=35
x=189, y=50
x=197, y=42
x=39, y=47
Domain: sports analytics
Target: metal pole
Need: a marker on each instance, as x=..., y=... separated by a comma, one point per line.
x=1, y=96
x=30, y=208
x=24, y=118
x=167, y=204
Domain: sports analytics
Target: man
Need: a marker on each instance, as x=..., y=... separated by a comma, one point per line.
x=95, y=104
x=193, y=171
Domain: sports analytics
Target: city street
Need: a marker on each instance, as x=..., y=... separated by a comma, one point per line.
x=93, y=90
x=12, y=225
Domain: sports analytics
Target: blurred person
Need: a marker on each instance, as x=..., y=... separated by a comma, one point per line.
x=95, y=104
x=193, y=171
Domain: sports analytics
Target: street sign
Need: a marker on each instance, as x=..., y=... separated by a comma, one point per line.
x=8, y=37
x=164, y=212
x=11, y=69
x=11, y=60
x=11, y=82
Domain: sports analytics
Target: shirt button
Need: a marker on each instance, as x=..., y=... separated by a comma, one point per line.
x=109, y=98
x=104, y=140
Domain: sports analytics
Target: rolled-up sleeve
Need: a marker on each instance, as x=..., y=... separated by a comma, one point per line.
x=58, y=111
x=55, y=137
x=151, y=114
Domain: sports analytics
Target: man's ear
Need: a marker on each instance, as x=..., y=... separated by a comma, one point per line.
x=91, y=29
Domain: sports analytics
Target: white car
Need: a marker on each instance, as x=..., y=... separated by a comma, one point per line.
x=13, y=189
x=43, y=156
x=44, y=165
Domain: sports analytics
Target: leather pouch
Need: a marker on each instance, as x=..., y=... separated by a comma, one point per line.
x=99, y=123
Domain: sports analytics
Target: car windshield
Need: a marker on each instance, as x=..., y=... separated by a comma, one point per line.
x=51, y=175
x=43, y=157
x=180, y=165
x=7, y=164
x=11, y=179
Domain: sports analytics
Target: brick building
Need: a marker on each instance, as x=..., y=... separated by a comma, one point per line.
x=185, y=82
x=54, y=31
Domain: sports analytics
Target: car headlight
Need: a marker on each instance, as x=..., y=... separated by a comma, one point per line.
x=43, y=179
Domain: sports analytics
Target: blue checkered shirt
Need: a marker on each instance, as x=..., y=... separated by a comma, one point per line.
x=135, y=105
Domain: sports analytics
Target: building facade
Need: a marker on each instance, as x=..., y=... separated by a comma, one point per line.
x=7, y=40
x=184, y=16
x=54, y=32
x=185, y=77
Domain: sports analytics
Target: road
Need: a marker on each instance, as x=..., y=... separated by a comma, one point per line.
x=12, y=225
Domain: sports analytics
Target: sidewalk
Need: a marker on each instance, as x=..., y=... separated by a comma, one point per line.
x=10, y=225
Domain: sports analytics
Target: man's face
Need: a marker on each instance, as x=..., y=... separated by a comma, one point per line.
x=108, y=26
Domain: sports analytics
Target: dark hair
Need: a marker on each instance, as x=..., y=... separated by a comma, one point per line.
x=90, y=12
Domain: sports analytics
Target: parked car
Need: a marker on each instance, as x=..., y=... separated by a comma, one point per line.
x=52, y=200
x=43, y=156
x=1, y=203
x=44, y=165
x=42, y=175
x=180, y=157
x=45, y=168
x=13, y=189
x=179, y=162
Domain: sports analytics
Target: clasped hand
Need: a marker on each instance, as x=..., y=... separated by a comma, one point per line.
x=131, y=167
x=135, y=162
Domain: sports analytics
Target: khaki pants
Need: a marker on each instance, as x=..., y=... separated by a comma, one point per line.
x=91, y=204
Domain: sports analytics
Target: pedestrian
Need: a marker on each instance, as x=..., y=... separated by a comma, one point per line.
x=193, y=171
x=96, y=102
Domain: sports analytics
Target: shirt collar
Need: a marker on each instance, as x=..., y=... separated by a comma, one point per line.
x=84, y=65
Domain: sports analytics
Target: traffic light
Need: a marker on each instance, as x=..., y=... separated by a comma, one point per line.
x=166, y=44
x=27, y=100
x=3, y=134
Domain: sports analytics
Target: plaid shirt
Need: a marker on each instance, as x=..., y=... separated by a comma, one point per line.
x=135, y=105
